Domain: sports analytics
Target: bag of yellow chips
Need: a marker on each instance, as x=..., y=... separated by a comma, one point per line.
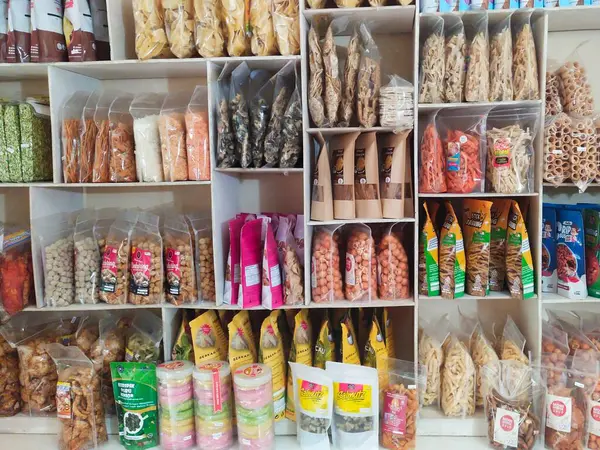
x=150, y=36
x=376, y=353
x=325, y=345
x=348, y=345
x=271, y=354
x=301, y=353
x=242, y=349
x=208, y=338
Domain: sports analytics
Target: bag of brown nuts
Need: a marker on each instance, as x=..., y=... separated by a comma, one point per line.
x=555, y=350
x=326, y=276
x=514, y=405
x=10, y=400
x=361, y=265
x=205, y=264
x=392, y=265
x=146, y=268
x=115, y=260
x=180, y=282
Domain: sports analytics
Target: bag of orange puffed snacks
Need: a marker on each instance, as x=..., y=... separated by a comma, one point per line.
x=431, y=163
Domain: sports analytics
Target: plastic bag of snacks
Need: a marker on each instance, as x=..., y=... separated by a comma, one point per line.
x=101, y=167
x=10, y=402
x=575, y=89
x=143, y=343
x=273, y=142
x=291, y=265
x=150, y=36
x=457, y=379
x=432, y=61
x=431, y=356
x=519, y=263
x=557, y=148
x=361, y=279
x=287, y=26
x=501, y=79
x=555, y=349
x=326, y=276
x=333, y=80
x=401, y=404
x=179, y=27
x=235, y=16
x=482, y=352
x=56, y=240
x=88, y=260
x=525, y=70
x=455, y=49
x=145, y=110
x=262, y=41
x=584, y=153
x=351, y=68
x=171, y=127
x=514, y=405
x=393, y=269
x=432, y=160
x=36, y=137
x=227, y=156
x=238, y=108
x=452, y=257
x=209, y=28
x=122, y=142
x=512, y=344
x=146, y=265
x=197, y=138
x=71, y=134
x=78, y=384
x=355, y=424
x=477, y=82
x=316, y=83
x=291, y=130
x=89, y=131
x=368, y=82
x=366, y=177
x=180, y=282
x=242, y=346
x=300, y=352
x=477, y=227
x=203, y=256
x=16, y=271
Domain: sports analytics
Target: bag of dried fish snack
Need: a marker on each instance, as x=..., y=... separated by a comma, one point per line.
x=455, y=49
x=145, y=337
x=261, y=99
x=235, y=16
x=519, y=261
x=271, y=354
x=286, y=23
x=348, y=105
x=368, y=81
x=452, y=257
x=78, y=401
x=432, y=68
x=525, y=69
x=477, y=227
x=242, y=347
x=429, y=274
x=457, y=397
x=179, y=27
x=227, y=155
x=208, y=337
x=238, y=108
x=512, y=344
x=431, y=355
x=284, y=86
x=501, y=77
x=349, y=351
x=325, y=344
x=355, y=406
x=171, y=127
x=477, y=82
x=291, y=132
x=483, y=352
x=301, y=353
x=150, y=36
x=375, y=351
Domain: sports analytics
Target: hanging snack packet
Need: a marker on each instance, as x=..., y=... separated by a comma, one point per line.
x=375, y=351
x=476, y=225
x=233, y=274
x=452, y=257
x=429, y=272
x=272, y=355
x=325, y=345
x=349, y=351
x=570, y=254
x=549, y=277
x=134, y=386
x=321, y=205
x=301, y=353
x=250, y=260
x=499, y=213
x=242, y=348
x=366, y=177
x=272, y=292
x=519, y=262
x=210, y=343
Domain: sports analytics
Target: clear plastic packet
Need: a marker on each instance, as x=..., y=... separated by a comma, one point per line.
x=146, y=265
x=263, y=40
x=145, y=109
x=286, y=24
x=477, y=226
x=150, y=36
x=101, y=167
x=451, y=256
x=432, y=68
x=16, y=271
x=584, y=153
x=432, y=161
x=326, y=275
x=4, y=155
x=180, y=279
x=501, y=64
x=457, y=396
x=143, y=342
x=235, y=16
x=575, y=89
x=114, y=282
x=197, y=136
x=71, y=125
x=227, y=156
x=122, y=143
x=431, y=356
x=393, y=277
x=238, y=107
x=171, y=128
x=209, y=28
x=555, y=349
x=316, y=82
x=553, y=89
x=179, y=27
x=87, y=259
x=351, y=68
x=333, y=80
x=396, y=104
x=578, y=341
x=368, y=81
x=12, y=132
x=78, y=385
x=510, y=136
x=56, y=241
x=401, y=399
x=291, y=132
x=105, y=217
x=514, y=405
x=284, y=86
x=87, y=334
x=260, y=97
x=483, y=353
x=87, y=138
x=454, y=52
x=512, y=344
x=557, y=149
x=525, y=69
x=463, y=136
x=10, y=402
x=477, y=82
x=290, y=263
x=204, y=260
x=361, y=279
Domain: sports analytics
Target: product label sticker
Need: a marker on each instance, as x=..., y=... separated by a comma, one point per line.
x=453, y=157
x=337, y=174
x=558, y=413
x=173, y=269
x=350, y=398
x=360, y=174
x=63, y=400
x=252, y=275
x=394, y=413
x=108, y=272
x=350, y=272
x=312, y=396
x=251, y=371
x=217, y=390
x=313, y=272
x=594, y=418
x=501, y=155
x=275, y=276
x=506, y=427
x=141, y=261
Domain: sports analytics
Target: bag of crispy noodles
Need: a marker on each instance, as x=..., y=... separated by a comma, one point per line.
x=431, y=356
x=457, y=397
x=519, y=261
x=476, y=225
x=452, y=257
x=512, y=344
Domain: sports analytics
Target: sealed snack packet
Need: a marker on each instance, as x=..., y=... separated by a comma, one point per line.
x=482, y=351
x=452, y=257
x=208, y=338
x=375, y=351
x=242, y=347
x=476, y=225
x=143, y=344
x=431, y=356
x=271, y=354
x=301, y=353
x=458, y=379
x=519, y=261
x=325, y=345
x=349, y=351
x=232, y=272
x=272, y=291
x=388, y=331
x=570, y=254
x=250, y=259
x=499, y=212
x=512, y=344
x=183, y=349
x=429, y=273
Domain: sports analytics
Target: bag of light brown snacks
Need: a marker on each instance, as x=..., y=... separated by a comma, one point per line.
x=393, y=268
x=180, y=283
x=146, y=268
x=321, y=206
x=122, y=143
x=342, y=175
x=326, y=276
x=361, y=265
x=205, y=267
x=395, y=176
x=171, y=127
x=366, y=177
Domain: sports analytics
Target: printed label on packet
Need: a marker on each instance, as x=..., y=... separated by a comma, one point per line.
x=501, y=156
x=141, y=260
x=312, y=397
x=453, y=158
x=63, y=400
x=352, y=398
x=350, y=272
x=108, y=272
x=506, y=427
x=558, y=413
x=394, y=413
x=594, y=418
x=173, y=263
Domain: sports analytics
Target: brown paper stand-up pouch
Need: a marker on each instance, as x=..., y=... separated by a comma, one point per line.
x=366, y=177
x=321, y=206
x=395, y=176
x=342, y=175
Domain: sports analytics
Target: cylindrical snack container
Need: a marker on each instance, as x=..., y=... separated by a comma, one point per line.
x=176, y=405
x=212, y=405
x=253, y=389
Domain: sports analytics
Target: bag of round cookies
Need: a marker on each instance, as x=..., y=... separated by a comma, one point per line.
x=180, y=283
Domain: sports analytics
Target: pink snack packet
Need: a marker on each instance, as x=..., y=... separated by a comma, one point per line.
x=232, y=270
x=247, y=217
x=274, y=221
x=272, y=290
x=299, y=237
x=250, y=242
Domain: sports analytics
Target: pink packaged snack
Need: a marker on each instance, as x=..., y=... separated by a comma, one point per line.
x=251, y=259
x=232, y=271
x=272, y=290
x=299, y=237
x=246, y=217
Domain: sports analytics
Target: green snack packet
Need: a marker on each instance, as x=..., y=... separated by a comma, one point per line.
x=134, y=386
x=591, y=218
x=36, y=140
x=4, y=171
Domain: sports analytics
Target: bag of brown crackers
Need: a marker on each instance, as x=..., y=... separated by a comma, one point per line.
x=180, y=283
x=146, y=268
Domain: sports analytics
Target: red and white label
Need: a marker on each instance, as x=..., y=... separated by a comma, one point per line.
x=506, y=427
x=558, y=413
x=141, y=261
x=394, y=413
x=108, y=274
x=173, y=263
x=594, y=418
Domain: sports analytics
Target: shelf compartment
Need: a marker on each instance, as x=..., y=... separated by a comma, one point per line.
x=342, y=130
x=553, y=298
x=383, y=19
x=263, y=170
x=477, y=194
x=574, y=18
x=23, y=71
x=424, y=107
x=316, y=223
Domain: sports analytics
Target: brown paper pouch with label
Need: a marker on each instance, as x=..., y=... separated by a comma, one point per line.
x=342, y=175
x=366, y=177
x=396, y=189
x=321, y=207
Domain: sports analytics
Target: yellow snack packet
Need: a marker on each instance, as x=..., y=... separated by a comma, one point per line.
x=242, y=349
x=208, y=337
x=348, y=345
x=389, y=334
x=452, y=257
x=271, y=354
x=301, y=353
x=325, y=345
x=184, y=347
x=376, y=353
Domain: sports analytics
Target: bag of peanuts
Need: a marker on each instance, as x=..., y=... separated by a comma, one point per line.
x=326, y=276
x=115, y=259
x=392, y=265
x=361, y=265
x=514, y=405
x=171, y=128
x=146, y=267
x=205, y=264
x=88, y=259
x=577, y=339
x=180, y=283
x=291, y=267
x=401, y=404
